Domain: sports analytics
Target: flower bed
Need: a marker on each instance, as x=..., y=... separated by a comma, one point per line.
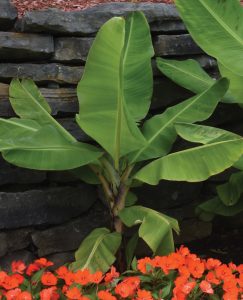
x=178, y=276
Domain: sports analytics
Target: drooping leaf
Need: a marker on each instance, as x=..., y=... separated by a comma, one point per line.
x=159, y=130
x=216, y=207
x=160, y=240
x=43, y=149
x=193, y=165
x=230, y=192
x=217, y=27
x=97, y=251
x=190, y=75
x=112, y=91
x=203, y=134
x=28, y=103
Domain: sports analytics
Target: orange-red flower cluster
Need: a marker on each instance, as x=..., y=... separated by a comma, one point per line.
x=178, y=276
x=197, y=278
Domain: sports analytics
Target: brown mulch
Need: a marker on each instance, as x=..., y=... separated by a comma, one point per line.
x=67, y=5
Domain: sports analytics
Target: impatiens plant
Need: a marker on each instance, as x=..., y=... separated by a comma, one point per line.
x=114, y=98
x=217, y=28
x=180, y=275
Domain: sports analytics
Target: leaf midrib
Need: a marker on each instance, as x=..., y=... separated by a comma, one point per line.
x=222, y=23
x=49, y=117
x=168, y=123
x=94, y=248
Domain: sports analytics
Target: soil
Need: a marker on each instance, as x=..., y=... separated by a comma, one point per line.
x=67, y=5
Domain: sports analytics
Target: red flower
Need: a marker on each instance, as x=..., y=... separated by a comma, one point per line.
x=62, y=272
x=124, y=290
x=10, y=282
x=18, y=267
x=32, y=268
x=144, y=264
x=83, y=277
x=105, y=295
x=211, y=263
x=74, y=293
x=96, y=277
x=206, y=287
x=144, y=295
x=43, y=263
x=12, y=294
x=24, y=296
x=48, y=279
x=49, y=294
x=196, y=268
x=111, y=275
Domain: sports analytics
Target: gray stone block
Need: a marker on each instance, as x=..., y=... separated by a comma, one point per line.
x=171, y=45
x=41, y=73
x=22, y=46
x=3, y=244
x=8, y=14
x=168, y=194
x=193, y=230
x=49, y=206
x=18, y=239
x=69, y=236
x=72, y=50
x=10, y=174
x=162, y=18
x=60, y=259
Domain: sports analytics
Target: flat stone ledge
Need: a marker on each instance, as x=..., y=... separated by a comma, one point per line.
x=69, y=236
x=72, y=50
x=44, y=207
x=8, y=14
x=22, y=46
x=171, y=45
x=41, y=73
x=162, y=18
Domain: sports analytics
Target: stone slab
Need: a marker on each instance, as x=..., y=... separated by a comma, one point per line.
x=8, y=14
x=46, y=206
x=21, y=46
x=162, y=18
x=171, y=45
x=69, y=236
x=41, y=73
x=72, y=49
x=10, y=174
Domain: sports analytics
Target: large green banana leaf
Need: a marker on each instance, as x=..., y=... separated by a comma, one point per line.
x=236, y=86
x=239, y=164
x=28, y=103
x=230, y=192
x=116, y=86
x=193, y=165
x=43, y=149
x=159, y=130
x=160, y=240
x=97, y=251
x=190, y=75
x=217, y=27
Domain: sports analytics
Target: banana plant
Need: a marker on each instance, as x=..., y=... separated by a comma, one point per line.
x=114, y=97
x=217, y=28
